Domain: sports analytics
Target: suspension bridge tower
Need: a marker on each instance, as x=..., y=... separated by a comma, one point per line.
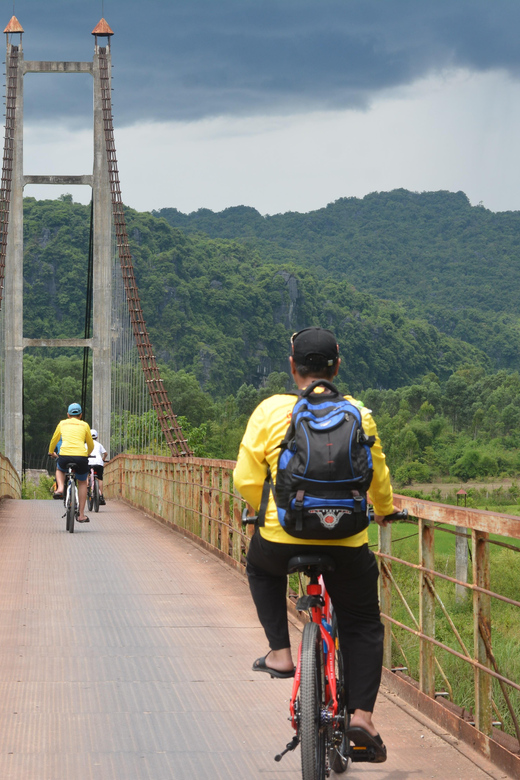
x=11, y=222
x=108, y=219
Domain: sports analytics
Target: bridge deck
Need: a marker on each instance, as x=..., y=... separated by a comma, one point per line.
x=126, y=651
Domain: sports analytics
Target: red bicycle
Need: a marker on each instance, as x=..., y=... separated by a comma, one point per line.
x=318, y=705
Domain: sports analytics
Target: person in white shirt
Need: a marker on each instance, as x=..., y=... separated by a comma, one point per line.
x=96, y=460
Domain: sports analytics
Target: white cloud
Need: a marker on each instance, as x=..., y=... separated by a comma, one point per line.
x=54, y=150
x=454, y=131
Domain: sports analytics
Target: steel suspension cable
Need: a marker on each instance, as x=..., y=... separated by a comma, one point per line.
x=7, y=164
x=5, y=203
x=161, y=403
x=88, y=312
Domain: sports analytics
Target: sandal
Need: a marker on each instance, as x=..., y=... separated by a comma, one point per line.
x=85, y=520
x=363, y=739
x=261, y=666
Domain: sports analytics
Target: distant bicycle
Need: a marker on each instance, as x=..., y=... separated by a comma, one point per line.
x=93, y=491
x=70, y=498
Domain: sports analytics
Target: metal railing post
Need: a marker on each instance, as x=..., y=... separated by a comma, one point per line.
x=225, y=514
x=206, y=501
x=461, y=563
x=214, y=507
x=426, y=609
x=482, y=625
x=385, y=590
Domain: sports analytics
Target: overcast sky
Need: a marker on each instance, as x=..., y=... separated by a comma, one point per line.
x=284, y=105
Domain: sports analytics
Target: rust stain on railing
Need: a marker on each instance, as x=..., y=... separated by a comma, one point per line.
x=484, y=663
x=196, y=496
x=10, y=483
x=487, y=522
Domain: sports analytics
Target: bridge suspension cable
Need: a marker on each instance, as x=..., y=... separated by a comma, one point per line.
x=88, y=314
x=170, y=427
x=7, y=167
x=5, y=202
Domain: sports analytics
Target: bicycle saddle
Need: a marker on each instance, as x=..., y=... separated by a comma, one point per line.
x=72, y=466
x=311, y=564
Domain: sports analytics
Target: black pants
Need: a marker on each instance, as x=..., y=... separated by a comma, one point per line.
x=353, y=591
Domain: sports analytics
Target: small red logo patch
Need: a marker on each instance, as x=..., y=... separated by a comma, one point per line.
x=331, y=517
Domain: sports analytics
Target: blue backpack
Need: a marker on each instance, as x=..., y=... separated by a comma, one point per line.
x=324, y=468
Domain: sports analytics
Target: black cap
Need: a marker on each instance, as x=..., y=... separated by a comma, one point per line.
x=313, y=346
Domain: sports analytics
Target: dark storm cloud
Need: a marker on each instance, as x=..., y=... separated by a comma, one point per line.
x=188, y=59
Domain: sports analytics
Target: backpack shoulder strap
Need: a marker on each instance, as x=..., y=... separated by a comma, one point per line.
x=267, y=488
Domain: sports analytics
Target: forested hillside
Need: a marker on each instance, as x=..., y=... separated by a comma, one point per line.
x=454, y=264
x=220, y=310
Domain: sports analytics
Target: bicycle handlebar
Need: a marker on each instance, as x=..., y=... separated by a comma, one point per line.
x=251, y=520
x=394, y=517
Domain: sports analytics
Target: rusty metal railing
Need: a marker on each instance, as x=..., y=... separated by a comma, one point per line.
x=482, y=526
x=421, y=605
x=193, y=494
x=10, y=482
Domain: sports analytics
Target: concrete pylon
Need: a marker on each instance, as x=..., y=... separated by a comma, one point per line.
x=13, y=282
x=102, y=249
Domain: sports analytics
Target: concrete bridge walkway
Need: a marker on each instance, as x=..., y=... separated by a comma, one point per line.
x=125, y=654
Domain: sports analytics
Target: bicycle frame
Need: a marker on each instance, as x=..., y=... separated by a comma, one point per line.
x=71, y=482
x=70, y=499
x=318, y=710
x=321, y=616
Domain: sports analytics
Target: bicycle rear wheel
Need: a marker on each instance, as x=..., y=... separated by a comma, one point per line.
x=66, y=501
x=72, y=507
x=90, y=493
x=312, y=684
x=95, y=498
x=338, y=760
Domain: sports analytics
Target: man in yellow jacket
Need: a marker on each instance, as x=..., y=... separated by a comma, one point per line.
x=76, y=446
x=353, y=585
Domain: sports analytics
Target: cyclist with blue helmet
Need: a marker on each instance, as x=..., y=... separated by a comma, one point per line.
x=76, y=446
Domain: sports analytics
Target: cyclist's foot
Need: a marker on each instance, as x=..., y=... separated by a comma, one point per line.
x=84, y=519
x=363, y=739
x=363, y=719
x=102, y=501
x=260, y=665
x=57, y=495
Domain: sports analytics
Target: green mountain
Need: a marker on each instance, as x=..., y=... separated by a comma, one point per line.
x=455, y=265
x=421, y=290
x=224, y=309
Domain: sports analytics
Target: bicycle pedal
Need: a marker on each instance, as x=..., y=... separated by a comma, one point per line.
x=361, y=753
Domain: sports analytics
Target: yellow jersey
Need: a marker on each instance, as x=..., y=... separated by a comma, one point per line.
x=259, y=449
x=74, y=435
